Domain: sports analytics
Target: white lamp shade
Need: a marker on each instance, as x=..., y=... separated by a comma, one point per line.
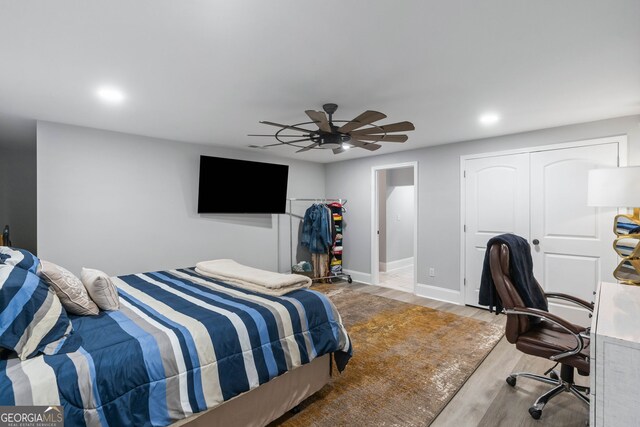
x=618, y=187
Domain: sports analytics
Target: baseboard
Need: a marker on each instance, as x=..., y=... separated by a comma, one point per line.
x=358, y=276
x=438, y=293
x=394, y=265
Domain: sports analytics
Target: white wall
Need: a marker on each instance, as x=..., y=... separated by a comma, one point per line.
x=400, y=214
x=125, y=203
x=381, y=176
x=439, y=198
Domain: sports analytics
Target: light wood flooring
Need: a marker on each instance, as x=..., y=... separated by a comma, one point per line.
x=400, y=279
x=486, y=399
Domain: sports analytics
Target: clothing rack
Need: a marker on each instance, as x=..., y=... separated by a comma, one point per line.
x=291, y=215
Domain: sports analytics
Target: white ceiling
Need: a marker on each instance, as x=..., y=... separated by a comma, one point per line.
x=208, y=71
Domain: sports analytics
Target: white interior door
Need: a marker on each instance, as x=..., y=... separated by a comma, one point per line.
x=496, y=202
x=574, y=251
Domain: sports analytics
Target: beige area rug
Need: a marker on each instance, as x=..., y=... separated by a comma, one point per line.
x=408, y=362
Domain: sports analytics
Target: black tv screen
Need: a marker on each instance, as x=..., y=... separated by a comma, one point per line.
x=240, y=186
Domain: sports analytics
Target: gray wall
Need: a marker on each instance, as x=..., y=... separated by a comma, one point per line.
x=439, y=192
x=18, y=181
x=399, y=214
x=124, y=203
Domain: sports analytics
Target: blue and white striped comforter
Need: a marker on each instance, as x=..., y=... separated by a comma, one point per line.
x=181, y=343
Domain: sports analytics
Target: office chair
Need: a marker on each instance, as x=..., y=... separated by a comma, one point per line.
x=551, y=337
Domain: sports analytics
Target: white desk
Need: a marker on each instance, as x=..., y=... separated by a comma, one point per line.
x=615, y=356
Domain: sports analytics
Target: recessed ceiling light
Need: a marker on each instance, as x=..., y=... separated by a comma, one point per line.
x=488, y=119
x=110, y=94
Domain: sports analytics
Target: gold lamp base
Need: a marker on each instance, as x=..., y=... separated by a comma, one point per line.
x=627, y=246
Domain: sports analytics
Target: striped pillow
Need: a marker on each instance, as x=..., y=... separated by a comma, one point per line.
x=19, y=258
x=32, y=319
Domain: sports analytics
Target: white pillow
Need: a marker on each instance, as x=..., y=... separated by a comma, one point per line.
x=101, y=289
x=69, y=289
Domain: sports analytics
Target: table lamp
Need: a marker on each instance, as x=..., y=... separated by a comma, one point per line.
x=620, y=188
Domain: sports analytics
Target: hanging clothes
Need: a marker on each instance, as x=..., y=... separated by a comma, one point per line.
x=320, y=265
x=316, y=229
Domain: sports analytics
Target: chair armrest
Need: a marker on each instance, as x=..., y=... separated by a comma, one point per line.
x=571, y=298
x=574, y=330
x=570, y=327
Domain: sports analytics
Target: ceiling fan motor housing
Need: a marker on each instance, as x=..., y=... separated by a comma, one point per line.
x=330, y=140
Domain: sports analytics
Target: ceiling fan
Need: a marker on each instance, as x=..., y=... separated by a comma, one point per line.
x=359, y=132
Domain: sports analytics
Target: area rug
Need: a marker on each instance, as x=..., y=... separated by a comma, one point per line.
x=408, y=362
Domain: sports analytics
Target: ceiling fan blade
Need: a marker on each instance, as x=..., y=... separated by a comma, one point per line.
x=320, y=118
x=279, y=136
x=338, y=150
x=387, y=138
x=393, y=127
x=366, y=145
x=265, y=146
x=288, y=127
x=362, y=120
x=307, y=148
x=296, y=140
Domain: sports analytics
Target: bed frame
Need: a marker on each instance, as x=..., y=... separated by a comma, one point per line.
x=260, y=406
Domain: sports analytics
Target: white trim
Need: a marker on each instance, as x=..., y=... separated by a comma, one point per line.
x=395, y=265
x=375, y=256
x=438, y=293
x=358, y=276
x=621, y=140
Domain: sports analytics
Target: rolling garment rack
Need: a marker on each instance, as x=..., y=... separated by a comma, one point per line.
x=335, y=255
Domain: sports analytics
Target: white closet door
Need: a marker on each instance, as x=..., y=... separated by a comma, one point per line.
x=574, y=251
x=496, y=202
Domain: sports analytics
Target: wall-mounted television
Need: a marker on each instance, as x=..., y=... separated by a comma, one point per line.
x=241, y=186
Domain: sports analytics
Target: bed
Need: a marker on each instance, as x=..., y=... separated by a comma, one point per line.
x=183, y=344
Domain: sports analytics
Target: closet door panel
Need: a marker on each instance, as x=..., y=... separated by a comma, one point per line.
x=496, y=202
x=574, y=251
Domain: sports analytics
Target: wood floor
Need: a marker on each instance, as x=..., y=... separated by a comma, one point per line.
x=400, y=279
x=486, y=399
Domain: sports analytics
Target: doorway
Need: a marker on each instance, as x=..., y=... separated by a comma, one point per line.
x=394, y=226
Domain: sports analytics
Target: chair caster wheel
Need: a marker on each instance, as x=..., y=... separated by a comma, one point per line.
x=349, y=280
x=554, y=376
x=511, y=380
x=535, y=413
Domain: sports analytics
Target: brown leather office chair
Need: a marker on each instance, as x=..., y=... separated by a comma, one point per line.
x=552, y=337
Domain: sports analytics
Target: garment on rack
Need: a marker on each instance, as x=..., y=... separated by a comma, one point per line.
x=320, y=265
x=316, y=229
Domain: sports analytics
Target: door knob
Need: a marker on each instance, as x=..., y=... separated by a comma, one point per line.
x=536, y=242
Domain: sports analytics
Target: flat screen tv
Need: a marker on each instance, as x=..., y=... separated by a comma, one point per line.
x=241, y=186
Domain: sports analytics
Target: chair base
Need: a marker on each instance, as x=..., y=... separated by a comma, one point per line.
x=563, y=383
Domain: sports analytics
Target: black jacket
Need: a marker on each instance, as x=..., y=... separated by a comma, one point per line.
x=520, y=270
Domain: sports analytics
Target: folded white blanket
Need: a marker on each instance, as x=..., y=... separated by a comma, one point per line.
x=253, y=279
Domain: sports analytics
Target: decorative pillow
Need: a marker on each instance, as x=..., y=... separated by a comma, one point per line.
x=32, y=319
x=19, y=258
x=101, y=289
x=69, y=288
